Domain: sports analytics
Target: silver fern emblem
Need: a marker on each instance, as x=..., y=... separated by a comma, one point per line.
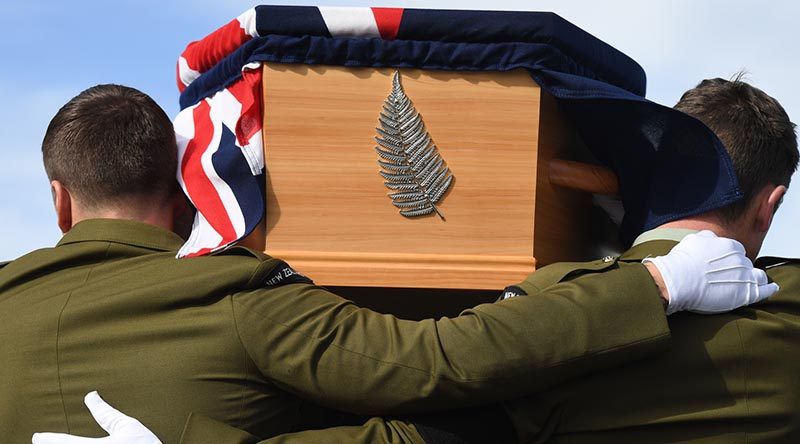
x=412, y=166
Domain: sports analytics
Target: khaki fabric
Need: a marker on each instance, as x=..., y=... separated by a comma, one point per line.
x=110, y=308
x=203, y=430
x=729, y=378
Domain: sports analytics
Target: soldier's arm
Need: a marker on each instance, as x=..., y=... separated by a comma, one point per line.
x=447, y=427
x=326, y=349
x=326, y=331
x=323, y=348
x=203, y=430
x=465, y=426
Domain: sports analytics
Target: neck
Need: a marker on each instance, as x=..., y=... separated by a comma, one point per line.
x=701, y=224
x=736, y=231
x=152, y=214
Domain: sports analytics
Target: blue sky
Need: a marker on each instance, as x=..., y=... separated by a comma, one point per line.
x=53, y=50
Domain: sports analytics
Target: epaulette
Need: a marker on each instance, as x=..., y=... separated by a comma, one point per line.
x=242, y=251
x=561, y=271
x=555, y=273
x=272, y=272
x=774, y=261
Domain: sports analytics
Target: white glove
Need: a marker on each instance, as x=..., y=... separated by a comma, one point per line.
x=122, y=429
x=709, y=274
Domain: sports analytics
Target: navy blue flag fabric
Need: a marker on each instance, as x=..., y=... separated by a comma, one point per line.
x=669, y=165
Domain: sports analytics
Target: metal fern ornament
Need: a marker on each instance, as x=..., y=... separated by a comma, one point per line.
x=412, y=166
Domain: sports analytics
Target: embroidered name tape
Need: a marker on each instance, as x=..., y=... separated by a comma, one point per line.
x=512, y=292
x=283, y=274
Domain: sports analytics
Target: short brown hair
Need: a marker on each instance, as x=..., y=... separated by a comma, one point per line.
x=755, y=130
x=111, y=141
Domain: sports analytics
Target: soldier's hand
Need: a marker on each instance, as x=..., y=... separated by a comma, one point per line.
x=709, y=274
x=121, y=428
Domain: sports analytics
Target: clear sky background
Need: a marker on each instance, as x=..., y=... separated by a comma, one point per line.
x=53, y=50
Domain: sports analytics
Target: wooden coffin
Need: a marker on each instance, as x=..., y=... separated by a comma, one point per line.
x=328, y=213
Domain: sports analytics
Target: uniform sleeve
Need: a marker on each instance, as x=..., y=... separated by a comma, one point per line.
x=324, y=348
x=203, y=430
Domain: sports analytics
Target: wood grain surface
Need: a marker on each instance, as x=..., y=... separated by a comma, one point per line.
x=328, y=213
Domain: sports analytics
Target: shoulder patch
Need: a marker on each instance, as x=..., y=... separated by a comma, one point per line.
x=282, y=274
x=512, y=292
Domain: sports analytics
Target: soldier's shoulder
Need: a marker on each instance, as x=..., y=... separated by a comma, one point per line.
x=564, y=269
x=561, y=271
x=246, y=254
x=234, y=265
x=239, y=258
x=770, y=262
x=26, y=261
x=783, y=270
x=267, y=270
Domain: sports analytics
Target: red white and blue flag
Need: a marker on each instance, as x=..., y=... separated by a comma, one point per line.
x=219, y=130
x=219, y=138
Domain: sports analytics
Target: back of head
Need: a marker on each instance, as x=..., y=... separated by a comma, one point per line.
x=111, y=144
x=755, y=130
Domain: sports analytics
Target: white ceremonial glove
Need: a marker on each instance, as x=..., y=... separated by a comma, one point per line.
x=709, y=274
x=121, y=428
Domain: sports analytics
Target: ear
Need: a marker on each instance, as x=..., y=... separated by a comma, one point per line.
x=769, y=199
x=63, y=204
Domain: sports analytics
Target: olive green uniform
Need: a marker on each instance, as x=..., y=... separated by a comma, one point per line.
x=729, y=378
x=200, y=429
x=237, y=337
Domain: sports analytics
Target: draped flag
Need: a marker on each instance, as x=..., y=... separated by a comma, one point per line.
x=220, y=152
x=669, y=164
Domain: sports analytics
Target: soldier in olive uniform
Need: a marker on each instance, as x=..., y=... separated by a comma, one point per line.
x=730, y=378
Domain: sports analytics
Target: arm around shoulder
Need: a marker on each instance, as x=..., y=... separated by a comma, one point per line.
x=324, y=348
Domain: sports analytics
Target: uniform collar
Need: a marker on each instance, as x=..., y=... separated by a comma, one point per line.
x=673, y=234
x=123, y=232
x=655, y=242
